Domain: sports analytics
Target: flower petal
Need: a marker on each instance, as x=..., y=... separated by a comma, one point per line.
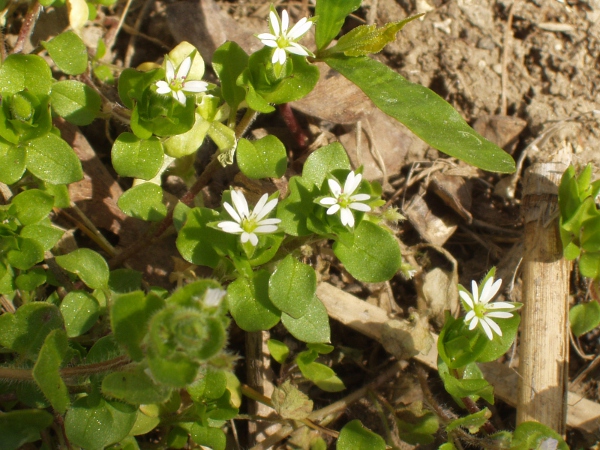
x=259, y=206
x=499, y=315
x=268, y=222
x=184, y=68
x=347, y=217
x=232, y=212
x=474, y=323
x=266, y=209
x=297, y=49
x=360, y=197
x=467, y=298
x=334, y=187
x=274, y=22
x=352, y=182
x=230, y=227
x=475, y=292
x=245, y=237
x=359, y=207
x=285, y=21
x=328, y=201
x=265, y=229
x=180, y=96
x=301, y=27
x=500, y=305
x=487, y=329
x=490, y=289
x=253, y=239
x=279, y=56
x=170, y=70
x=162, y=87
x=266, y=36
x=493, y=325
x=240, y=203
x=333, y=209
x=195, y=86
x=270, y=43
x=469, y=316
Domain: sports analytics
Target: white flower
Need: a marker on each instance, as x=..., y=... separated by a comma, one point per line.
x=282, y=40
x=344, y=201
x=247, y=223
x=176, y=84
x=213, y=297
x=480, y=310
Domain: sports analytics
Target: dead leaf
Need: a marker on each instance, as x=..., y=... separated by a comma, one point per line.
x=501, y=130
x=405, y=339
x=291, y=403
x=454, y=191
x=433, y=228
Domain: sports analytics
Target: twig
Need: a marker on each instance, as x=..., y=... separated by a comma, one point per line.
x=27, y=28
x=135, y=32
x=290, y=120
x=505, y=47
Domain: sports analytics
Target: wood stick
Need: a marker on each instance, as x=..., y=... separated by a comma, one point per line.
x=370, y=320
x=544, y=343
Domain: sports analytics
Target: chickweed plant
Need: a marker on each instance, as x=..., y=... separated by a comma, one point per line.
x=93, y=356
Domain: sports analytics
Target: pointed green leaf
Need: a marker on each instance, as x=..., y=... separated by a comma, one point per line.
x=46, y=370
x=53, y=160
x=472, y=422
x=292, y=286
x=80, y=311
x=32, y=206
x=75, y=101
x=144, y=201
x=278, y=350
x=134, y=386
x=229, y=61
x=354, y=436
x=264, y=158
x=331, y=15
x=12, y=162
x=584, y=317
x=423, y=112
x=68, y=52
x=28, y=253
x=323, y=161
x=138, y=158
x=313, y=326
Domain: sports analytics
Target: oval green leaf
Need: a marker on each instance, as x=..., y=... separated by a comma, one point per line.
x=144, y=201
x=68, y=52
x=88, y=265
x=138, y=158
x=292, y=287
x=80, y=311
x=76, y=102
x=25, y=73
x=356, y=437
x=312, y=327
x=264, y=158
x=53, y=160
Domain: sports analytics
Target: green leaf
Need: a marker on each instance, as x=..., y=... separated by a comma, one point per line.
x=133, y=83
x=356, y=437
x=278, y=350
x=416, y=425
x=331, y=16
x=589, y=264
x=176, y=371
x=134, y=386
x=32, y=206
x=498, y=346
x=68, y=52
x=22, y=426
x=584, y=317
x=46, y=370
x=375, y=255
x=138, y=158
x=76, y=102
x=123, y=281
x=210, y=437
x=201, y=244
x=366, y=39
x=264, y=158
x=211, y=385
x=88, y=265
x=12, y=162
x=129, y=316
x=229, y=61
x=457, y=345
x=25, y=331
x=32, y=279
x=189, y=142
x=320, y=374
x=249, y=303
x=80, y=311
x=28, y=73
x=53, y=160
x=472, y=384
x=144, y=201
x=45, y=235
x=28, y=253
x=290, y=402
x=423, y=112
x=292, y=287
x=531, y=435
x=472, y=422
x=323, y=161
x=296, y=207
x=312, y=327
x=94, y=423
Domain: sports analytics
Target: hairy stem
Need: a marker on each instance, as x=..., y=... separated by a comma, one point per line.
x=27, y=28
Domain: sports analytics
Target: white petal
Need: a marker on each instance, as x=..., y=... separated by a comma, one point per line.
x=500, y=305
x=253, y=239
x=296, y=49
x=245, y=237
x=232, y=212
x=285, y=21
x=280, y=56
x=268, y=222
x=265, y=209
x=184, y=68
x=499, y=315
x=259, y=206
x=195, y=86
x=328, y=201
x=240, y=203
x=360, y=197
x=332, y=210
x=474, y=323
x=266, y=36
x=487, y=329
x=270, y=43
x=265, y=229
x=490, y=290
x=347, y=217
x=469, y=316
x=475, y=292
x=352, y=182
x=179, y=96
x=359, y=207
x=230, y=227
x=334, y=187
x=467, y=298
x=274, y=22
x=494, y=326
x=162, y=87
x=170, y=70
x=300, y=28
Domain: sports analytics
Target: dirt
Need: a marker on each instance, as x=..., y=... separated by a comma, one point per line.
x=536, y=81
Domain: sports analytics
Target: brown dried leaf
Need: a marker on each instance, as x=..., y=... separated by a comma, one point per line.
x=454, y=191
x=433, y=228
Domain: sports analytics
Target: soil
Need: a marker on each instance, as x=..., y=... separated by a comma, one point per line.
x=523, y=73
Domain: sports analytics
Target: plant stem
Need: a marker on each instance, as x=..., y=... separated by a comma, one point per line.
x=27, y=28
x=292, y=123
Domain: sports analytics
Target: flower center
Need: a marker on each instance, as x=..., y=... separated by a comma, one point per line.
x=249, y=225
x=344, y=200
x=283, y=42
x=479, y=310
x=177, y=84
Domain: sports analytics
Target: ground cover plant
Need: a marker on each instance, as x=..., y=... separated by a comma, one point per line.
x=173, y=230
